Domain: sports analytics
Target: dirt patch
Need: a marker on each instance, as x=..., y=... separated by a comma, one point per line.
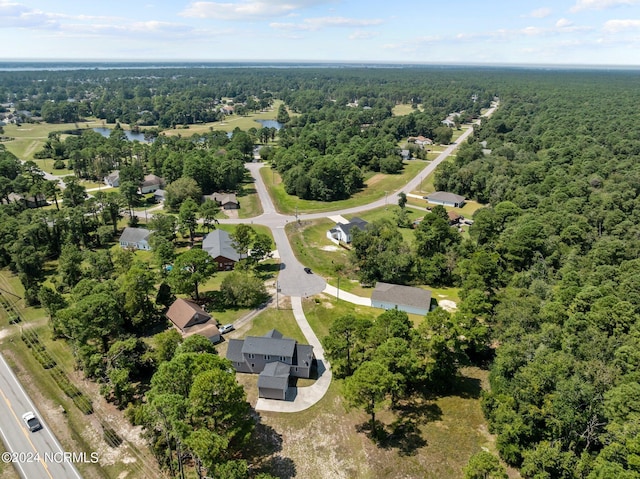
x=330, y=248
x=375, y=179
x=448, y=305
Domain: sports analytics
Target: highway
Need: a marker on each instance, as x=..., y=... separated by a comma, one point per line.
x=35, y=455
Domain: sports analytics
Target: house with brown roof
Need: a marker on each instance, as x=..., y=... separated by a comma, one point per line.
x=189, y=318
x=454, y=218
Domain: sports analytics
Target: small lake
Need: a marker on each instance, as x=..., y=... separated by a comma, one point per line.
x=106, y=132
x=271, y=124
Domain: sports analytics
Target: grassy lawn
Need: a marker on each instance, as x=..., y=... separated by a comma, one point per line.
x=377, y=187
x=446, y=431
x=250, y=205
x=402, y=109
x=230, y=123
x=29, y=138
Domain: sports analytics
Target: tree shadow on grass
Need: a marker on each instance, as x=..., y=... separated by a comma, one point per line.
x=404, y=433
x=466, y=388
x=264, y=452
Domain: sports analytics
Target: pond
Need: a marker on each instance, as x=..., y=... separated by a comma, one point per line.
x=129, y=134
x=271, y=124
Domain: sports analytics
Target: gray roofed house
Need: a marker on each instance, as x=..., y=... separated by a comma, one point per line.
x=113, y=179
x=270, y=346
x=271, y=356
x=404, y=298
x=343, y=232
x=446, y=199
x=136, y=238
x=219, y=245
x=273, y=381
x=159, y=195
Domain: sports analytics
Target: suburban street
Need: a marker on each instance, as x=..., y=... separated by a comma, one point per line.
x=35, y=455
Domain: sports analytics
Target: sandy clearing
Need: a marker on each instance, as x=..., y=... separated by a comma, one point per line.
x=448, y=305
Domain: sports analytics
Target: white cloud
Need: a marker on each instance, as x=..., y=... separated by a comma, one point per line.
x=314, y=24
x=562, y=27
x=616, y=26
x=600, y=4
x=563, y=23
x=539, y=13
x=246, y=10
x=363, y=35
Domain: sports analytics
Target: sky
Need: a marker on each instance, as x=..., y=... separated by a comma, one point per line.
x=547, y=32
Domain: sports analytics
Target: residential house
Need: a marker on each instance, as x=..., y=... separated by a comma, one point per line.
x=404, y=298
x=405, y=154
x=30, y=201
x=446, y=199
x=136, y=238
x=219, y=245
x=150, y=183
x=189, y=318
x=343, y=232
x=420, y=141
x=454, y=218
x=113, y=179
x=275, y=358
x=158, y=196
x=227, y=201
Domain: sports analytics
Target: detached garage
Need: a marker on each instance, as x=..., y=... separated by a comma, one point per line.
x=404, y=298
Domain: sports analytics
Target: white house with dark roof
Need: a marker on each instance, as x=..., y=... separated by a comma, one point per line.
x=150, y=183
x=446, y=199
x=404, y=298
x=136, y=238
x=343, y=232
x=275, y=358
x=219, y=245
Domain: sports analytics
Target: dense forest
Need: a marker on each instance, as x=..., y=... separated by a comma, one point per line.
x=547, y=275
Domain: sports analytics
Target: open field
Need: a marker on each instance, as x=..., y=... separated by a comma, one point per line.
x=230, y=123
x=378, y=185
x=403, y=109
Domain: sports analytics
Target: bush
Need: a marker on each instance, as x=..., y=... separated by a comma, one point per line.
x=59, y=165
x=243, y=290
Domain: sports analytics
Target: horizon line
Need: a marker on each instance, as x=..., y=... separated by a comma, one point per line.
x=309, y=61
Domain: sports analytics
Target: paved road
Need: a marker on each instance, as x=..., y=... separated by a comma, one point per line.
x=38, y=455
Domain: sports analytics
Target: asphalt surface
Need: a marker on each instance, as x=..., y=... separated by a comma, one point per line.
x=35, y=455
